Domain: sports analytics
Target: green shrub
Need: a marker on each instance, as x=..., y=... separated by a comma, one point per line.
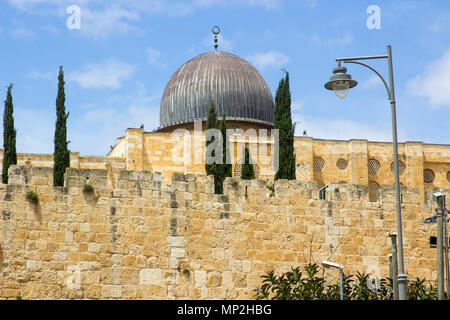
x=417, y=290
x=33, y=197
x=293, y=285
x=88, y=189
x=308, y=285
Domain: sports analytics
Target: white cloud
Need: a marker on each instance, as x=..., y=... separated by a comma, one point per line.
x=439, y=25
x=152, y=7
x=224, y=43
x=269, y=59
x=101, y=19
x=339, y=129
x=35, y=125
x=324, y=127
x=371, y=82
x=153, y=55
x=347, y=38
x=26, y=5
x=35, y=129
x=96, y=23
x=138, y=98
x=123, y=111
x=23, y=33
x=172, y=7
x=51, y=29
x=36, y=75
x=297, y=106
x=313, y=4
x=108, y=74
x=339, y=40
x=268, y=4
x=103, y=23
x=110, y=124
x=434, y=83
x=154, y=58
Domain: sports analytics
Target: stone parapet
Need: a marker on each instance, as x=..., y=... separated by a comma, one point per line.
x=148, y=239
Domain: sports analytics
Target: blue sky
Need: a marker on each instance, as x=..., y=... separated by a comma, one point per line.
x=125, y=51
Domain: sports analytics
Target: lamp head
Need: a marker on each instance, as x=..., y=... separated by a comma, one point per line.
x=437, y=197
x=328, y=264
x=340, y=82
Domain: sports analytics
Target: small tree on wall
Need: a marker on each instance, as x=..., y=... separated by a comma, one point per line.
x=247, y=172
x=61, y=155
x=9, y=136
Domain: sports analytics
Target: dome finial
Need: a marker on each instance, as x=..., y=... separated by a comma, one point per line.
x=215, y=31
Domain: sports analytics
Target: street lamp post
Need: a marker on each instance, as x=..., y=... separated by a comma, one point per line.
x=328, y=264
x=447, y=267
x=441, y=239
x=394, y=256
x=340, y=82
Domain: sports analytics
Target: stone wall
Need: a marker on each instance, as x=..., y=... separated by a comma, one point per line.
x=422, y=166
x=140, y=238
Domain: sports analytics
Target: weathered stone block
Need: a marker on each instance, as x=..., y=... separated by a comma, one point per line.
x=94, y=247
x=111, y=291
x=200, y=278
x=178, y=177
x=214, y=279
x=151, y=276
x=176, y=241
x=178, y=252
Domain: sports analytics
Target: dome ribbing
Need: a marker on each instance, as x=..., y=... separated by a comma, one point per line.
x=234, y=85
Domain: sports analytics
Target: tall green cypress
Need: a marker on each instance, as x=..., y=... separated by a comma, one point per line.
x=225, y=169
x=211, y=123
x=219, y=170
x=9, y=136
x=61, y=155
x=283, y=122
x=226, y=156
x=247, y=172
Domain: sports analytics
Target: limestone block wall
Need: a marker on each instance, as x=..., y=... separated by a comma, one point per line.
x=145, y=239
x=112, y=165
x=422, y=166
x=184, y=152
x=371, y=163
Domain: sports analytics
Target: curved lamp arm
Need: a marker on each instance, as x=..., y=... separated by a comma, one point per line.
x=378, y=74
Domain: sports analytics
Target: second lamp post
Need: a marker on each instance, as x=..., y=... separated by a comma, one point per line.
x=340, y=82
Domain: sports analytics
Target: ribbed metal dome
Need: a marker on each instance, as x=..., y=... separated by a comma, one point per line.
x=234, y=85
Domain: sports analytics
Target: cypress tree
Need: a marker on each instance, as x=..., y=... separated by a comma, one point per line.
x=225, y=169
x=283, y=122
x=9, y=136
x=248, y=172
x=61, y=155
x=226, y=155
x=211, y=123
